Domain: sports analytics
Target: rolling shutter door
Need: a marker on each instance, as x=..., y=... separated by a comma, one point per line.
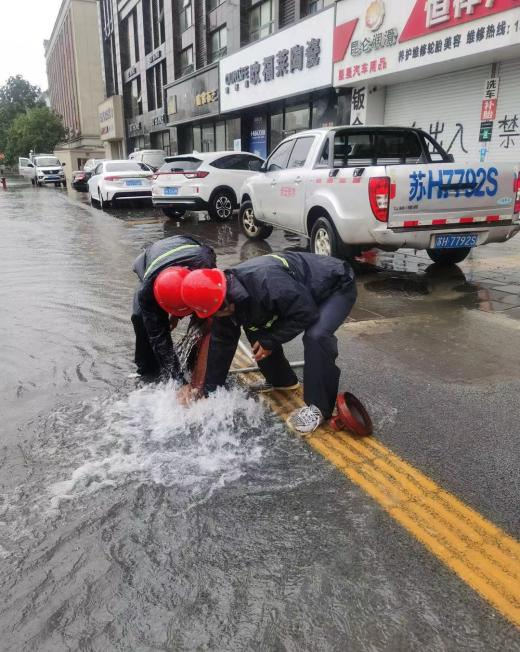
x=447, y=106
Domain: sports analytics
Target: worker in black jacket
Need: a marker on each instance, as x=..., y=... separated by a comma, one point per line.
x=275, y=298
x=154, y=350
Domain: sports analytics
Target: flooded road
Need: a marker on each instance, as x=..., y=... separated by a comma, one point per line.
x=128, y=523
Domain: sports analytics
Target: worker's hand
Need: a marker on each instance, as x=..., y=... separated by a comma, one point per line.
x=173, y=322
x=187, y=394
x=259, y=353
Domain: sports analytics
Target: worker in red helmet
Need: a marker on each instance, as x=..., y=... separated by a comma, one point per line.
x=275, y=298
x=158, y=305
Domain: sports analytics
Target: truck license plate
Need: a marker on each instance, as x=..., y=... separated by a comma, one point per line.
x=173, y=190
x=456, y=240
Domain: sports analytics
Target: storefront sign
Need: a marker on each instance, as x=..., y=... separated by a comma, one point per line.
x=206, y=97
x=196, y=97
x=159, y=120
x=258, y=136
x=237, y=145
x=376, y=38
x=295, y=60
x=111, y=118
x=130, y=73
x=491, y=88
x=154, y=56
x=134, y=127
x=489, y=110
x=358, y=106
x=486, y=132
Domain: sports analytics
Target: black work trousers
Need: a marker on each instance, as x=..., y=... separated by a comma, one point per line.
x=320, y=373
x=144, y=358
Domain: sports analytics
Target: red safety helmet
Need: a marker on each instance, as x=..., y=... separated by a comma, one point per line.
x=204, y=290
x=167, y=291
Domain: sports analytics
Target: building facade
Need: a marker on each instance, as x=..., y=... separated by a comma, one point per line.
x=451, y=67
x=73, y=61
x=171, y=61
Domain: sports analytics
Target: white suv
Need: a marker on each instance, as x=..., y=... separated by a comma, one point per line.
x=200, y=182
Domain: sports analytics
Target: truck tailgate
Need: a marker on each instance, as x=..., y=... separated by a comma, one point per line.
x=450, y=195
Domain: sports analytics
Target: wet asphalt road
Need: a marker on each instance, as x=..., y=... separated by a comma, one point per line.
x=129, y=524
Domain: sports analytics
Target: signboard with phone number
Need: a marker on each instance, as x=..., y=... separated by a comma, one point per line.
x=458, y=182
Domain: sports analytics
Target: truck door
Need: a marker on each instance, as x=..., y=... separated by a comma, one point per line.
x=267, y=189
x=289, y=196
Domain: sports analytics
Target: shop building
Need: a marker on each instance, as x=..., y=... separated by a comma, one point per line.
x=73, y=63
x=169, y=59
x=451, y=67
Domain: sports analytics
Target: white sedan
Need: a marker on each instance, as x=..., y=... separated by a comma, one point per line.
x=114, y=181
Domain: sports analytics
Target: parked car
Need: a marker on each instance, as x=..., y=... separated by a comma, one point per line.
x=200, y=182
x=80, y=177
x=114, y=181
x=152, y=157
x=42, y=169
x=349, y=189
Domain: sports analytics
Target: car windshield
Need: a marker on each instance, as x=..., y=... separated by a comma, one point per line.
x=42, y=161
x=126, y=166
x=181, y=164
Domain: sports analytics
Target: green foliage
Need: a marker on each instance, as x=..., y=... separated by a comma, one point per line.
x=39, y=129
x=16, y=96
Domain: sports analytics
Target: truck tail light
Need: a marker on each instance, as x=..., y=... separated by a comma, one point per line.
x=516, y=189
x=110, y=178
x=196, y=175
x=379, y=196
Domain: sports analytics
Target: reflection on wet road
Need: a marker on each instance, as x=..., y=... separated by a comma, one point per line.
x=127, y=523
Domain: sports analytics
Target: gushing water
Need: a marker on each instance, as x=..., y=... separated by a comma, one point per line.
x=186, y=345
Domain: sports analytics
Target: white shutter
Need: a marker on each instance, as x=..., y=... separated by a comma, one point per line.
x=505, y=142
x=447, y=106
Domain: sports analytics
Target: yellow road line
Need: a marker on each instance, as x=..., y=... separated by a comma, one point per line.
x=480, y=553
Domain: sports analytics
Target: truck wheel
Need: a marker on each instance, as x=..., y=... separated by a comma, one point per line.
x=250, y=227
x=448, y=256
x=324, y=240
x=221, y=206
x=173, y=213
x=33, y=182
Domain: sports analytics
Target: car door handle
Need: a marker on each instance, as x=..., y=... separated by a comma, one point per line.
x=298, y=180
x=273, y=182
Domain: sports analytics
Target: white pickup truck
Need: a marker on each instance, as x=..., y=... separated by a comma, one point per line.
x=349, y=189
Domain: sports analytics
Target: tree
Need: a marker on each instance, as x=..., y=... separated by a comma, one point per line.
x=39, y=129
x=16, y=96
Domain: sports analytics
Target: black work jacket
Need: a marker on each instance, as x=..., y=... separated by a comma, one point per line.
x=177, y=251
x=277, y=296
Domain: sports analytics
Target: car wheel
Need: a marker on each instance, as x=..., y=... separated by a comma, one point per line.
x=57, y=184
x=173, y=213
x=33, y=182
x=102, y=202
x=448, y=256
x=92, y=200
x=64, y=184
x=253, y=229
x=221, y=206
x=324, y=240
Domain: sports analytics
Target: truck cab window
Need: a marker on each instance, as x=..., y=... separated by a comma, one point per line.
x=280, y=157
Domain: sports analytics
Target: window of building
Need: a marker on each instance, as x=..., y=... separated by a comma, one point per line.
x=107, y=18
x=155, y=80
x=218, y=44
x=186, y=16
x=153, y=19
x=312, y=7
x=187, y=60
x=261, y=21
x=213, y=4
x=132, y=98
x=130, y=41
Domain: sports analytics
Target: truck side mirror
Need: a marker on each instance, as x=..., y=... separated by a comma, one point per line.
x=63, y=164
x=30, y=165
